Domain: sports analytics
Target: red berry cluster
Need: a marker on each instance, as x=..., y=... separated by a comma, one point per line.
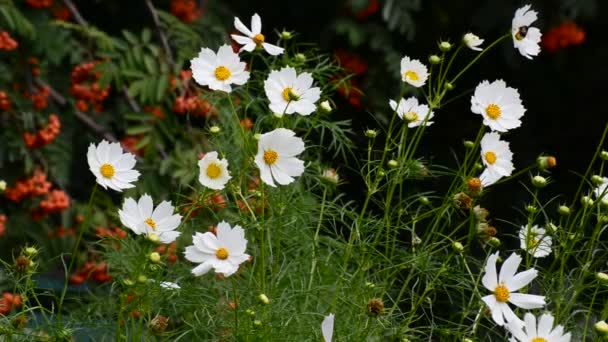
x=44, y=136
x=169, y=250
x=193, y=105
x=7, y=42
x=40, y=3
x=61, y=12
x=8, y=301
x=114, y=232
x=5, y=101
x=39, y=97
x=156, y=111
x=562, y=36
x=32, y=187
x=61, y=232
x=255, y=203
x=130, y=142
x=91, y=270
x=2, y=224
x=55, y=202
x=185, y=10
x=85, y=87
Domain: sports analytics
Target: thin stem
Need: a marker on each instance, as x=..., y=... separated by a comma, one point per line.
x=478, y=57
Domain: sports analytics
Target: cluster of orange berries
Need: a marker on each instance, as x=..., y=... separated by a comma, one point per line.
x=33, y=61
x=8, y=301
x=2, y=224
x=114, y=232
x=192, y=105
x=85, y=87
x=39, y=97
x=130, y=142
x=44, y=136
x=562, y=36
x=91, y=270
x=32, y=187
x=40, y=3
x=156, y=111
x=7, y=42
x=355, y=65
x=185, y=10
x=61, y=232
x=5, y=101
x=169, y=250
x=56, y=201
x=256, y=203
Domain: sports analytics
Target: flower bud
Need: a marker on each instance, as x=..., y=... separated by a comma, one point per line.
x=257, y=136
x=494, y=242
x=551, y=228
x=300, y=57
x=250, y=312
x=392, y=163
x=286, y=35
x=371, y=133
x=434, y=59
x=153, y=237
x=601, y=327
x=215, y=129
x=326, y=107
x=330, y=175
x=30, y=251
x=531, y=208
x=257, y=323
x=474, y=185
x=445, y=46
x=264, y=299
x=469, y=144
x=424, y=200
x=142, y=279
x=539, y=181
x=449, y=86
x=563, y=210
x=381, y=173
x=2, y=185
x=277, y=115
x=586, y=201
x=604, y=155
x=128, y=282
x=369, y=285
x=458, y=247
x=467, y=340
x=154, y=257
x=478, y=166
x=597, y=179
x=546, y=162
x=602, y=277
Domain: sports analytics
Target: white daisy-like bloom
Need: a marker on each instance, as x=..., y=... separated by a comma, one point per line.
x=254, y=37
x=535, y=241
x=291, y=93
x=213, y=171
x=499, y=105
x=327, y=327
x=504, y=286
x=544, y=332
x=496, y=157
x=413, y=72
x=412, y=112
x=472, y=41
x=142, y=218
x=219, y=71
x=223, y=252
x=112, y=168
x=525, y=38
x=276, y=157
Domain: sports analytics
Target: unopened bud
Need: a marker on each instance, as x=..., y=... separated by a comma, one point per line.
x=602, y=277
x=546, y=162
x=257, y=323
x=381, y=173
x=424, y=200
x=142, y=279
x=458, y=247
x=531, y=208
x=286, y=35
x=250, y=312
x=264, y=299
x=469, y=144
x=434, y=59
x=494, y=242
x=128, y=282
x=277, y=115
x=392, y=163
x=586, y=201
x=604, y=155
x=597, y=179
x=449, y=86
x=551, y=228
x=601, y=327
x=371, y=133
x=215, y=129
x=2, y=185
x=331, y=176
x=478, y=166
x=30, y=251
x=539, y=181
x=369, y=285
x=154, y=257
x=300, y=57
x=445, y=46
x=153, y=237
x=325, y=107
x=563, y=210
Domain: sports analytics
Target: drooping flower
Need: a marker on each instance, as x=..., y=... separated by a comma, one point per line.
x=112, y=168
x=276, y=157
x=544, y=332
x=291, y=93
x=213, y=171
x=223, y=252
x=219, y=71
x=525, y=38
x=412, y=112
x=535, y=241
x=142, y=218
x=503, y=287
x=327, y=327
x=472, y=41
x=254, y=37
x=413, y=72
x=499, y=105
x=496, y=157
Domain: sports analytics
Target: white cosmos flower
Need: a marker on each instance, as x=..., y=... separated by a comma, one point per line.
x=219, y=71
x=544, y=332
x=142, y=218
x=223, y=252
x=112, y=168
x=213, y=171
x=525, y=38
x=412, y=112
x=254, y=37
x=497, y=158
x=276, y=157
x=504, y=287
x=535, y=241
x=291, y=93
x=499, y=105
x=327, y=327
x=413, y=72
x=472, y=41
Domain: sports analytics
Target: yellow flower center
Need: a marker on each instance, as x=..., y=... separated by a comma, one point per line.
x=258, y=39
x=412, y=75
x=222, y=253
x=213, y=171
x=150, y=222
x=290, y=95
x=411, y=116
x=533, y=242
x=490, y=157
x=501, y=293
x=222, y=73
x=270, y=157
x=493, y=111
x=107, y=170
x=539, y=339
